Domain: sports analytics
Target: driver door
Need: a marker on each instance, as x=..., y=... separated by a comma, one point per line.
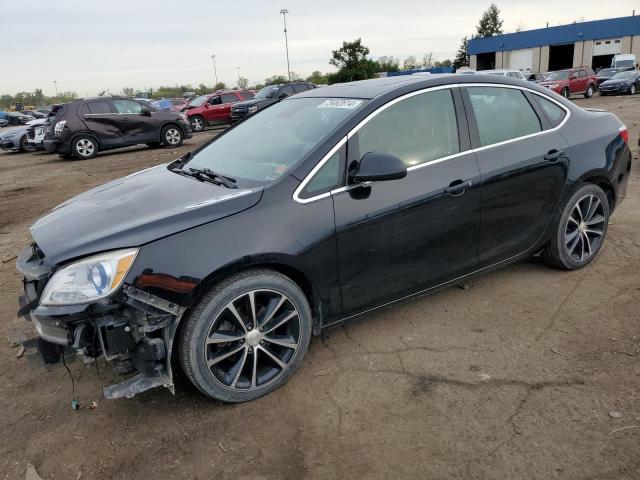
x=136, y=127
x=399, y=237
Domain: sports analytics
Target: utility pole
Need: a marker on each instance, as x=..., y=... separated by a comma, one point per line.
x=284, y=12
x=215, y=72
x=238, y=68
x=55, y=83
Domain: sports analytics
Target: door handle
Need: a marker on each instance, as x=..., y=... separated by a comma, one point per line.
x=457, y=187
x=553, y=155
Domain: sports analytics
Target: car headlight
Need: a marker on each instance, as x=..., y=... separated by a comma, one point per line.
x=57, y=130
x=253, y=109
x=89, y=279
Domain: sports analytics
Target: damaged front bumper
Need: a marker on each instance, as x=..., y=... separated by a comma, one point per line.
x=133, y=330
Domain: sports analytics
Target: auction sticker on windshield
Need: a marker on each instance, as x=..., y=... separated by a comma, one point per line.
x=340, y=103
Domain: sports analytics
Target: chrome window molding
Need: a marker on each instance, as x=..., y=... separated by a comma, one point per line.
x=354, y=130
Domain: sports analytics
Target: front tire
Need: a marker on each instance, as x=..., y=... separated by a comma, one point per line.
x=589, y=92
x=171, y=136
x=197, y=123
x=84, y=147
x=565, y=92
x=24, y=144
x=246, y=337
x=632, y=90
x=580, y=231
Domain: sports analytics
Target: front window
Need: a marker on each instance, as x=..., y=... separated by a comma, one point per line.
x=628, y=75
x=561, y=75
x=196, y=102
x=267, y=145
x=267, y=92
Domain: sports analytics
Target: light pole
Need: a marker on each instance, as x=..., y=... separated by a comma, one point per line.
x=215, y=72
x=238, y=68
x=284, y=12
x=55, y=84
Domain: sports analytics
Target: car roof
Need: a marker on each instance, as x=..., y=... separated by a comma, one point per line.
x=370, y=89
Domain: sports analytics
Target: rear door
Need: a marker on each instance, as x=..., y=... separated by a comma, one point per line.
x=135, y=127
x=523, y=162
x=399, y=237
x=100, y=118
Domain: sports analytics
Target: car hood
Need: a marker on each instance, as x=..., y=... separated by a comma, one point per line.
x=254, y=101
x=617, y=82
x=19, y=130
x=134, y=210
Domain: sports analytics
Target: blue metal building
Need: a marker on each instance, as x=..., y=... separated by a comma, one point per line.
x=591, y=44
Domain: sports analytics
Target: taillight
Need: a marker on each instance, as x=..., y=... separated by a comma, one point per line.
x=623, y=131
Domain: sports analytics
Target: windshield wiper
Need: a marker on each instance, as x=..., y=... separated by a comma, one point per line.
x=207, y=175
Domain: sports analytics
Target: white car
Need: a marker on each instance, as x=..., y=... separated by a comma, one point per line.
x=503, y=72
x=35, y=134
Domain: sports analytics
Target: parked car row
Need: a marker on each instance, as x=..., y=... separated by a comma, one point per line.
x=82, y=128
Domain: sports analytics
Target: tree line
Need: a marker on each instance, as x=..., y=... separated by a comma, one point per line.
x=352, y=61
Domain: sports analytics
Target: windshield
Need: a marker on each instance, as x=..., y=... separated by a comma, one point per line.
x=628, y=75
x=624, y=63
x=267, y=92
x=268, y=144
x=561, y=75
x=196, y=102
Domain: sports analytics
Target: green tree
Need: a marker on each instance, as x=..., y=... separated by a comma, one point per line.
x=129, y=91
x=427, y=60
x=219, y=86
x=462, y=55
x=443, y=63
x=275, y=80
x=317, y=77
x=410, y=63
x=352, y=63
x=490, y=22
x=243, y=83
x=389, y=64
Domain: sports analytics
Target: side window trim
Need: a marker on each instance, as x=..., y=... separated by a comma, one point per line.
x=472, y=131
x=545, y=123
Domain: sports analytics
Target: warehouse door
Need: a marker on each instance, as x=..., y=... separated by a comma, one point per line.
x=603, y=52
x=560, y=56
x=521, y=59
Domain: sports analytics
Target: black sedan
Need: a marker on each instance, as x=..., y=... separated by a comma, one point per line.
x=621, y=83
x=321, y=208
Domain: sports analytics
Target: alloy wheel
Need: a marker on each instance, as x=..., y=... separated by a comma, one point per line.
x=253, y=340
x=196, y=124
x=173, y=136
x=85, y=147
x=585, y=228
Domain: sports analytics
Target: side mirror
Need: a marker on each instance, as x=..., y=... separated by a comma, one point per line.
x=145, y=112
x=377, y=166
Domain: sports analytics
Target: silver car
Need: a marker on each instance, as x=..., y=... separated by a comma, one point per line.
x=16, y=139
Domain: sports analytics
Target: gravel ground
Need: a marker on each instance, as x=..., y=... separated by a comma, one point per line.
x=528, y=373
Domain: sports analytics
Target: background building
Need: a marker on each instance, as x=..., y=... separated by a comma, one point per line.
x=585, y=44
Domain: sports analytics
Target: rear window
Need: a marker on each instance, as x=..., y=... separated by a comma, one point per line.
x=100, y=106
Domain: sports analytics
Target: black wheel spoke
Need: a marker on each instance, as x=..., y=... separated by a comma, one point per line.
x=585, y=228
x=253, y=340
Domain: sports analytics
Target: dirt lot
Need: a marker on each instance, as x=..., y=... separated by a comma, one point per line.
x=518, y=376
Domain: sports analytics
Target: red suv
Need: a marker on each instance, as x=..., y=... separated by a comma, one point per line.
x=214, y=108
x=572, y=81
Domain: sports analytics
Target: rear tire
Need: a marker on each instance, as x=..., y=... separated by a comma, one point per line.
x=172, y=136
x=84, y=147
x=589, y=92
x=246, y=337
x=580, y=229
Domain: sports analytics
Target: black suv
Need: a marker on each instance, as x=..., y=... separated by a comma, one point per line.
x=267, y=96
x=83, y=127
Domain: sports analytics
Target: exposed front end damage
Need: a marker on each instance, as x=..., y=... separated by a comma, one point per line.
x=133, y=330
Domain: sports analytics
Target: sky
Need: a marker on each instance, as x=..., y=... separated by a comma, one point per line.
x=92, y=45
